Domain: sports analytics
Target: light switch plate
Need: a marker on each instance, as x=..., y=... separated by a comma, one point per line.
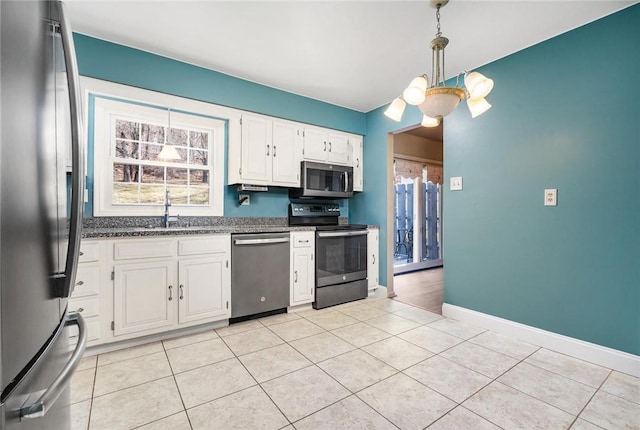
x=455, y=183
x=551, y=197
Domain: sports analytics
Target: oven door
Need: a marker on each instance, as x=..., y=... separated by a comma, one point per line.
x=341, y=256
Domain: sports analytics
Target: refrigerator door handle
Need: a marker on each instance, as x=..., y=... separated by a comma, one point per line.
x=77, y=153
x=40, y=407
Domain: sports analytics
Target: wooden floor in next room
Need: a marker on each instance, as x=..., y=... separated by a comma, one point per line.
x=423, y=289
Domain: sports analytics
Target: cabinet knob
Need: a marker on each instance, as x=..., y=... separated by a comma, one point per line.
x=80, y=283
x=79, y=309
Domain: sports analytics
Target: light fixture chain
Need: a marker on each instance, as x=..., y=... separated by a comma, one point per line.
x=439, y=33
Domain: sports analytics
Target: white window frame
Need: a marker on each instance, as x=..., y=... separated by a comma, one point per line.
x=226, y=127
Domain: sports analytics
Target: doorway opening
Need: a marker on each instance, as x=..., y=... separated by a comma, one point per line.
x=417, y=199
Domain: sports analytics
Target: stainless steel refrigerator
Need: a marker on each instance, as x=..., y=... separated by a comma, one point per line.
x=39, y=224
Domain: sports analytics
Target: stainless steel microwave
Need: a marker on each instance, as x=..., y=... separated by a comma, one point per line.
x=324, y=180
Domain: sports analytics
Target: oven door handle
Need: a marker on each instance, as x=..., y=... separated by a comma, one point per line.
x=342, y=233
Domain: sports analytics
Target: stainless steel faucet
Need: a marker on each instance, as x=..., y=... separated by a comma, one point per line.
x=168, y=219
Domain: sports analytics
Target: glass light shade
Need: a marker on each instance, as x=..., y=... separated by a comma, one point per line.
x=396, y=109
x=414, y=94
x=478, y=85
x=441, y=101
x=478, y=106
x=427, y=121
x=168, y=153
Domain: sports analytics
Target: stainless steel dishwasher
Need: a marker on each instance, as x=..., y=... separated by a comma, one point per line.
x=259, y=273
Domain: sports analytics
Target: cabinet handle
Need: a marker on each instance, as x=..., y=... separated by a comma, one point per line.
x=325, y=147
x=81, y=253
x=79, y=309
x=374, y=259
x=329, y=146
x=170, y=292
x=80, y=283
x=304, y=241
x=181, y=292
x=267, y=149
x=357, y=162
x=274, y=150
x=295, y=274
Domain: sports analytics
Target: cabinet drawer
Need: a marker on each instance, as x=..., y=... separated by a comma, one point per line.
x=87, y=280
x=143, y=249
x=303, y=240
x=89, y=251
x=93, y=329
x=90, y=306
x=209, y=245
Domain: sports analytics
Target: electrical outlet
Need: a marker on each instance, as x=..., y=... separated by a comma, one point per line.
x=551, y=197
x=455, y=183
x=244, y=199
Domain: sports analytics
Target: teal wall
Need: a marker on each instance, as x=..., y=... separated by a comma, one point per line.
x=116, y=63
x=566, y=115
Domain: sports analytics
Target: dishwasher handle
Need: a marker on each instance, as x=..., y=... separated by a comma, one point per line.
x=261, y=241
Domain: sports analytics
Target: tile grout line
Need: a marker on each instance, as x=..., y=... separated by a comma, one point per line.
x=590, y=399
x=175, y=381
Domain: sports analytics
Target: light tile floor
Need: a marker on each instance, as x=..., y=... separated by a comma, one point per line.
x=372, y=364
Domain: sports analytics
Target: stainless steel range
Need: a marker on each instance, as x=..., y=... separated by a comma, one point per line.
x=341, y=253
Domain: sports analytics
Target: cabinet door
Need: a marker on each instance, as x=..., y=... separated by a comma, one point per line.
x=315, y=144
x=203, y=290
x=338, y=149
x=356, y=145
x=302, y=282
x=257, y=149
x=287, y=153
x=373, y=271
x=144, y=297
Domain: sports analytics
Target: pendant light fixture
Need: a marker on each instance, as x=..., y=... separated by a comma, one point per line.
x=168, y=152
x=437, y=100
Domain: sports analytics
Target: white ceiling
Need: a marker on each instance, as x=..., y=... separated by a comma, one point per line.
x=356, y=54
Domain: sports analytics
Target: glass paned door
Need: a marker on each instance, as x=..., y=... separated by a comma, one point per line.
x=417, y=221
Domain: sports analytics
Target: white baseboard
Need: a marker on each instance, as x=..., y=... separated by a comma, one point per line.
x=597, y=354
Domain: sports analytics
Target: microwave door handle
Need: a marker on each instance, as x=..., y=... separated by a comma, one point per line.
x=346, y=182
x=77, y=152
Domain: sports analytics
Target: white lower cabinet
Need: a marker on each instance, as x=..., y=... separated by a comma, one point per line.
x=86, y=296
x=200, y=292
x=373, y=269
x=302, y=282
x=144, y=295
x=152, y=295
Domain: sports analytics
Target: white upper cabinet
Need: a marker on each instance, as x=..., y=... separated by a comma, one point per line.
x=269, y=154
x=287, y=153
x=269, y=151
x=256, y=144
x=326, y=145
x=356, y=145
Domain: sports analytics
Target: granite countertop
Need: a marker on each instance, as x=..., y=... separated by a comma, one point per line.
x=131, y=231
x=105, y=227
